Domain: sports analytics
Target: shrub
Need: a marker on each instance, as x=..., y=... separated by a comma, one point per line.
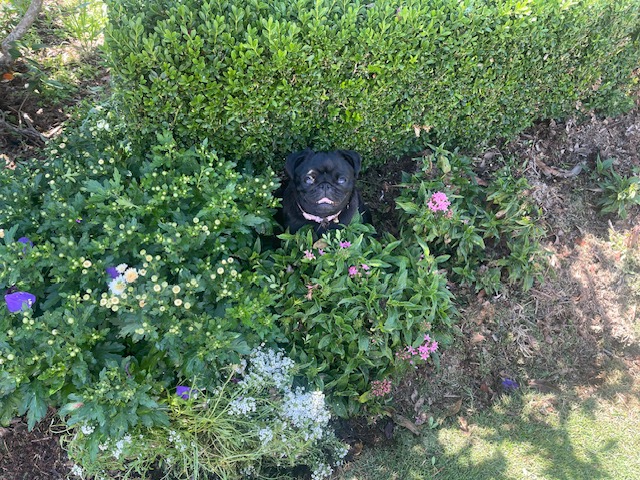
x=350, y=305
x=256, y=424
x=176, y=223
x=479, y=234
x=262, y=79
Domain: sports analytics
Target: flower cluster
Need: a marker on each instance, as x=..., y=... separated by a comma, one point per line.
x=380, y=388
x=306, y=411
x=242, y=406
x=424, y=351
x=438, y=202
x=355, y=271
x=268, y=367
x=321, y=471
x=121, y=276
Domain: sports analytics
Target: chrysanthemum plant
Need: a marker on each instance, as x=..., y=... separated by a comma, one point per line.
x=349, y=303
x=484, y=236
x=122, y=271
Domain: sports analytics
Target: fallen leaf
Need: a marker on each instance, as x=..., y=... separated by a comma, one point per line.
x=320, y=244
x=464, y=425
x=356, y=448
x=543, y=387
x=477, y=338
x=406, y=423
x=481, y=182
x=453, y=409
x=7, y=77
x=555, y=172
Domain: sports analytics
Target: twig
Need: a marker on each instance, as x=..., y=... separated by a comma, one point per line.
x=28, y=132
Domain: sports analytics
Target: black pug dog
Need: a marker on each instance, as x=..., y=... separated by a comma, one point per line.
x=321, y=191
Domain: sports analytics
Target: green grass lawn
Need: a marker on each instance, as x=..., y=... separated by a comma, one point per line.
x=585, y=433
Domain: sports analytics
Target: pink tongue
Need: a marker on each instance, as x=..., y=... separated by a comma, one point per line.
x=326, y=200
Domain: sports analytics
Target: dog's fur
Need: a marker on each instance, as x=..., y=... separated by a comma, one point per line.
x=321, y=191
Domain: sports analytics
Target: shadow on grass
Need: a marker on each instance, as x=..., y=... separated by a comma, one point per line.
x=578, y=434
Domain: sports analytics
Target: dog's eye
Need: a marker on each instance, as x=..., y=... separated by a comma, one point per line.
x=309, y=179
x=342, y=180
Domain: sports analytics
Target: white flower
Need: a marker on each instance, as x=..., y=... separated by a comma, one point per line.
x=120, y=444
x=122, y=268
x=77, y=471
x=131, y=275
x=118, y=285
x=342, y=450
x=177, y=439
x=267, y=368
x=307, y=412
x=87, y=429
x=265, y=435
x=321, y=471
x=242, y=406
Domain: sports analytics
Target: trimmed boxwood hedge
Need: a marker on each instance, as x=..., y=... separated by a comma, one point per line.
x=260, y=79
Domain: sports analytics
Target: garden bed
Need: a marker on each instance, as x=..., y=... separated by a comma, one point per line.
x=554, y=337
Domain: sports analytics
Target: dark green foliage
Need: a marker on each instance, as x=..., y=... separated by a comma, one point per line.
x=261, y=79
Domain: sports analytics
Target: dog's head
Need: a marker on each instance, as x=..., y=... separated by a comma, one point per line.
x=323, y=181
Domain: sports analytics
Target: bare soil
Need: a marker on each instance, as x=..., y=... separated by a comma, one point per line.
x=557, y=336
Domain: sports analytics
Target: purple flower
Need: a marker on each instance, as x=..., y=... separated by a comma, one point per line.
x=78, y=220
x=15, y=301
x=345, y=244
x=509, y=384
x=26, y=241
x=183, y=392
x=320, y=252
x=308, y=254
x=353, y=271
x=112, y=272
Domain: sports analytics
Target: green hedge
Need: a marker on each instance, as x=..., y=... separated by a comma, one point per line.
x=260, y=79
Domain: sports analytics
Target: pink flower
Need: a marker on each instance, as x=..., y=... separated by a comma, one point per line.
x=438, y=202
x=308, y=254
x=320, y=252
x=424, y=351
x=353, y=271
x=345, y=244
x=379, y=388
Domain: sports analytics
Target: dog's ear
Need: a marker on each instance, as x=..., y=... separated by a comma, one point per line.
x=293, y=160
x=354, y=158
